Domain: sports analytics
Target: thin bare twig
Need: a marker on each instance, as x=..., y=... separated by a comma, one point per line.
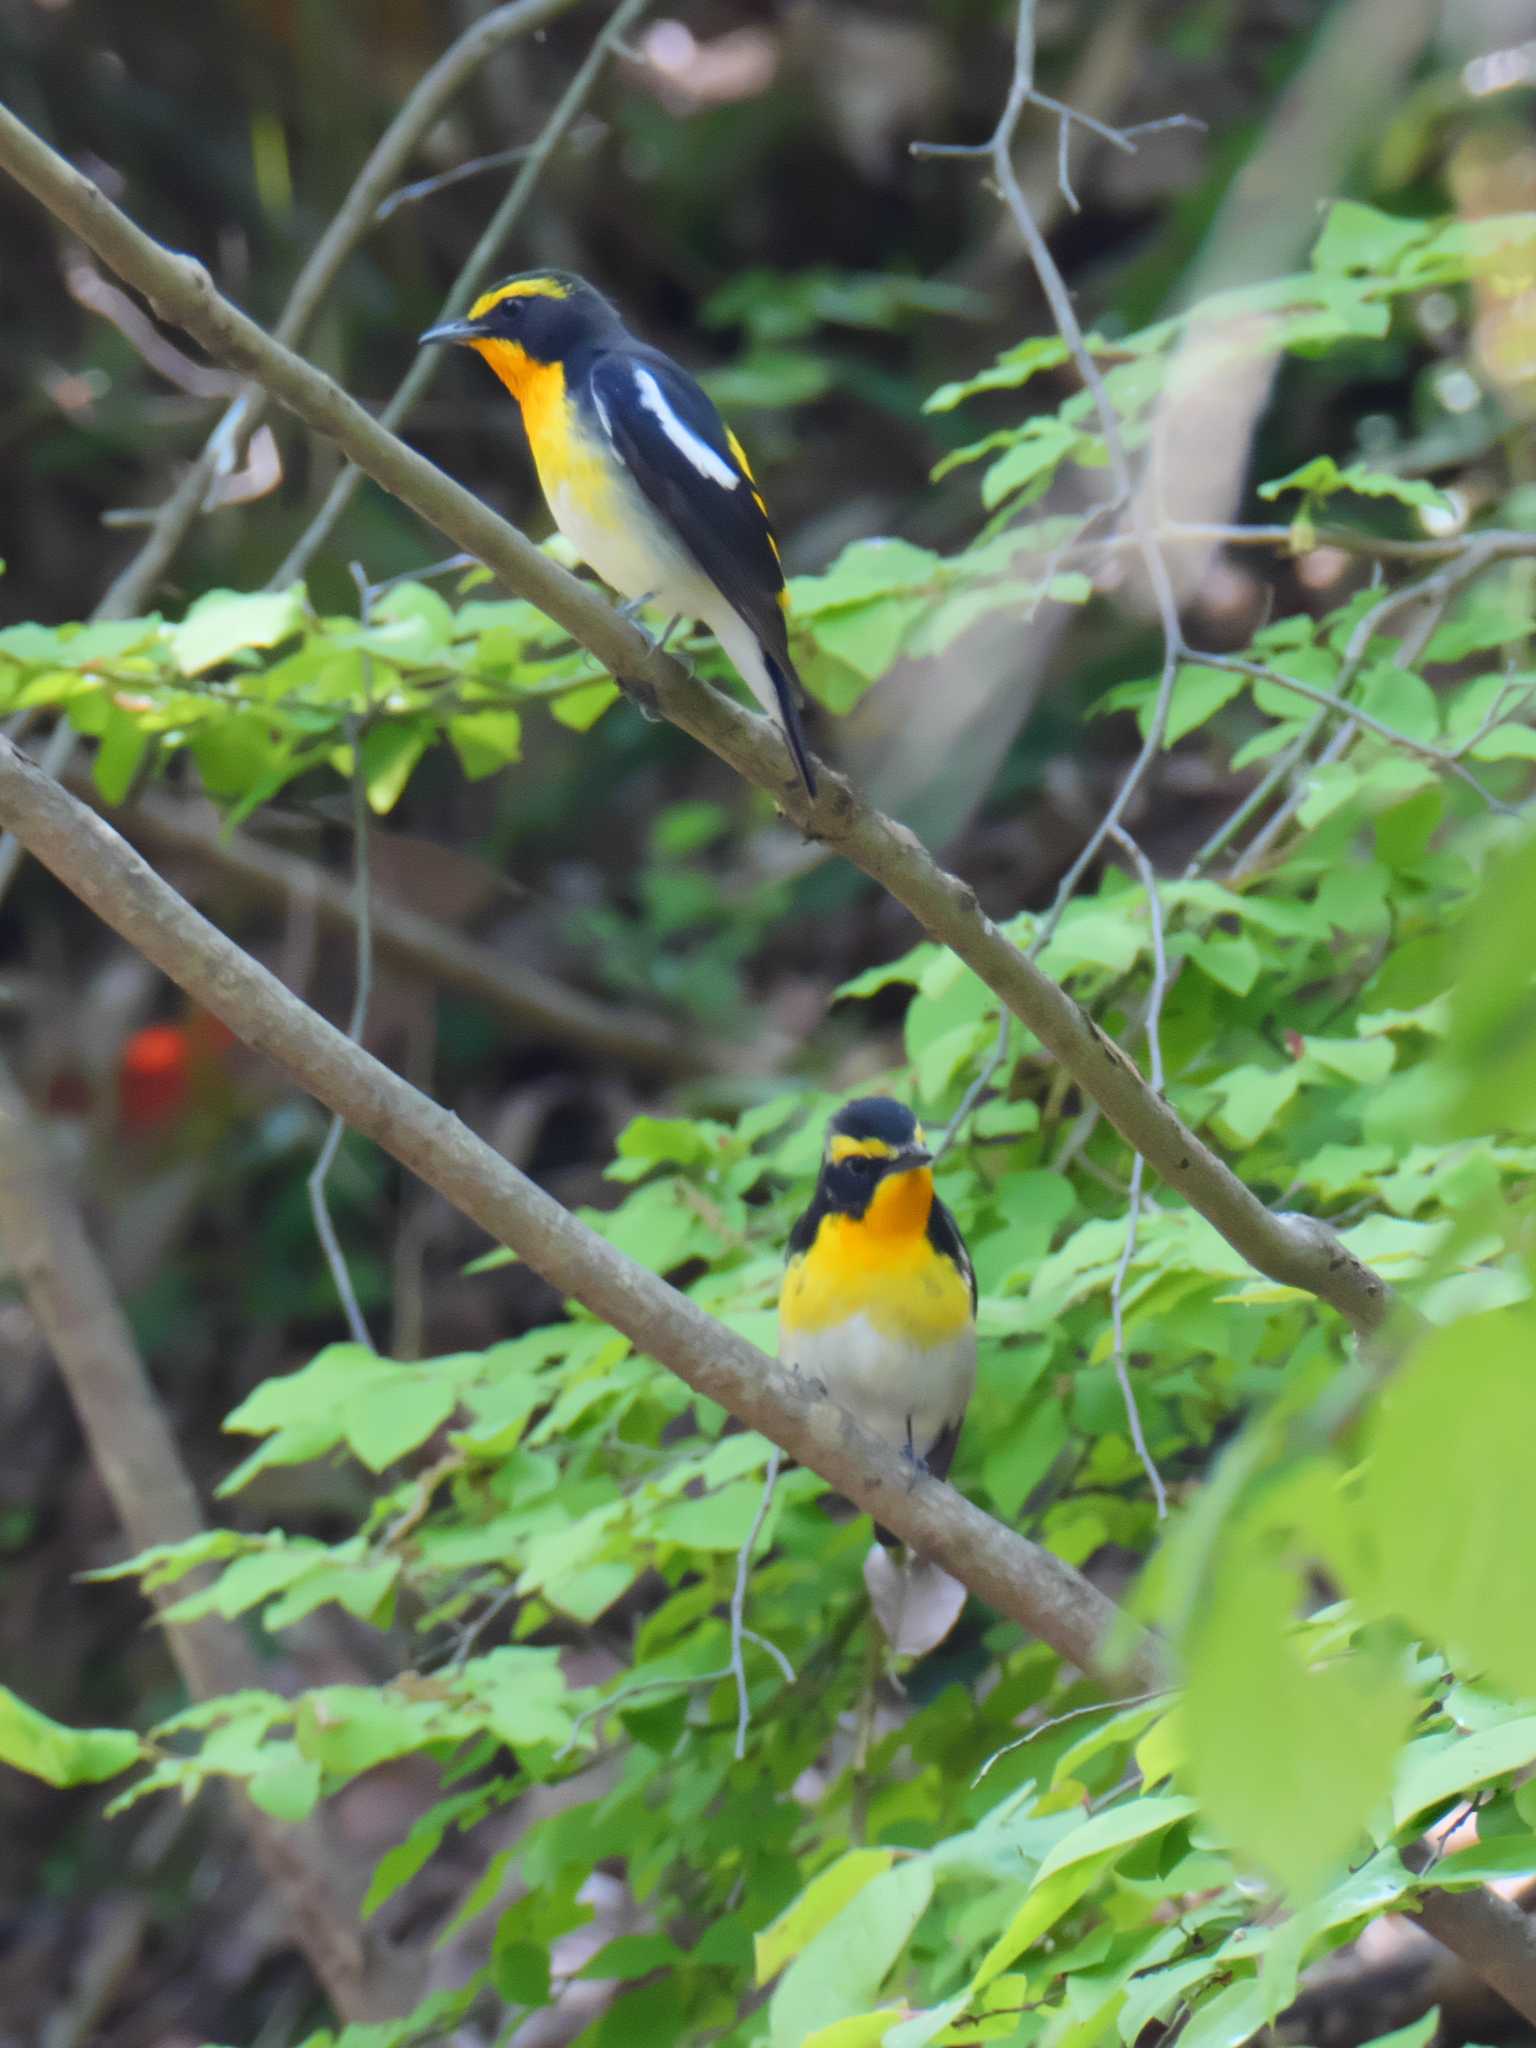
x=998, y=153
x=1114, y=1706
x=427, y=188
x=320, y=1208
x=739, y=1605
x=1435, y=592
x=1278, y=773
x=418, y=113
x=1138, y=1167
x=1354, y=716
x=474, y=273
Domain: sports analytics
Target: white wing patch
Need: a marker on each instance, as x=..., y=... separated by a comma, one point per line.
x=682, y=436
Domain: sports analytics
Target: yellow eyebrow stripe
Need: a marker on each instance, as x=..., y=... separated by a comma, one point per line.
x=858, y=1148
x=522, y=288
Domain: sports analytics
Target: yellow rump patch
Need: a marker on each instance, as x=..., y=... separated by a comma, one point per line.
x=520, y=288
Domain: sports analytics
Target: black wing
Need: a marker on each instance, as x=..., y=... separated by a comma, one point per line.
x=803, y=1236
x=650, y=409
x=944, y=1236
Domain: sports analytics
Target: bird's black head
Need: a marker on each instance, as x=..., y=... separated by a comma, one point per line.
x=871, y=1142
x=541, y=317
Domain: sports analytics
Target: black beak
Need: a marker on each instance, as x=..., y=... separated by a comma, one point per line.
x=912, y=1156
x=452, y=330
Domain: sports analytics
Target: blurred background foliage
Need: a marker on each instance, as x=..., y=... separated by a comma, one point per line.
x=740, y=182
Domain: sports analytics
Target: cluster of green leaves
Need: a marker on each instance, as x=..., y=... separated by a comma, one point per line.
x=1347, y=1018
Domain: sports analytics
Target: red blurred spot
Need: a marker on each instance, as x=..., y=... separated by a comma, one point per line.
x=154, y=1076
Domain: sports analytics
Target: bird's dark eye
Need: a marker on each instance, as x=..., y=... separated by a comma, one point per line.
x=860, y=1165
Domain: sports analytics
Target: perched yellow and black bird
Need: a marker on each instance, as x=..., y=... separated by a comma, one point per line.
x=642, y=475
x=879, y=1298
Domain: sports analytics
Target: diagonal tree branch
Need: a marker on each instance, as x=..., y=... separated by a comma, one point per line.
x=1014, y=1576
x=1297, y=1251
x=1017, y=1578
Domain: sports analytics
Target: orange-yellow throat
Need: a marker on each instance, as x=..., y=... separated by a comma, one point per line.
x=880, y=1265
x=539, y=388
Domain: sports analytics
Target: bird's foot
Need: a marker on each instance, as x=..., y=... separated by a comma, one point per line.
x=915, y=1462
x=818, y=1388
x=643, y=696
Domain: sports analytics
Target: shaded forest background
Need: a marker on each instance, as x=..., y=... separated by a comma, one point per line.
x=741, y=183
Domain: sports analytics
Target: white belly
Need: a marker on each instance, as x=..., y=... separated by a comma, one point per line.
x=623, y=539
x=624, y=542
x=899, y=1393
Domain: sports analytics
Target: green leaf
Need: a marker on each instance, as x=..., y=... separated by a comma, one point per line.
x=1418, y=2033
x=46, y=1749
x=520, y=1972
x=1252, y=1097
x=864, y=2030
x=1322, y=477
x=288, y=1789
x=817, y=1906
x=1328, y=1733
x=1447, y=1766
x=581, y=709
x=1013, y=368
x=633, y=1955
x=1114, y=1830
x=1031, y=461
x=1446, y=1495
x=1198, y=694
x=348, y=1729
x=865, y=570
x=389, y=753
x=123, y=746
x=398, y=1416
x=1362, y=238
x=485, y=741
x=1234, y=2015
x=841, y=1970
x=225, y=622
x=1233, y=961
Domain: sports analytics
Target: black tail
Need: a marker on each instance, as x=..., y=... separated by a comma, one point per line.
x=784, y=682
